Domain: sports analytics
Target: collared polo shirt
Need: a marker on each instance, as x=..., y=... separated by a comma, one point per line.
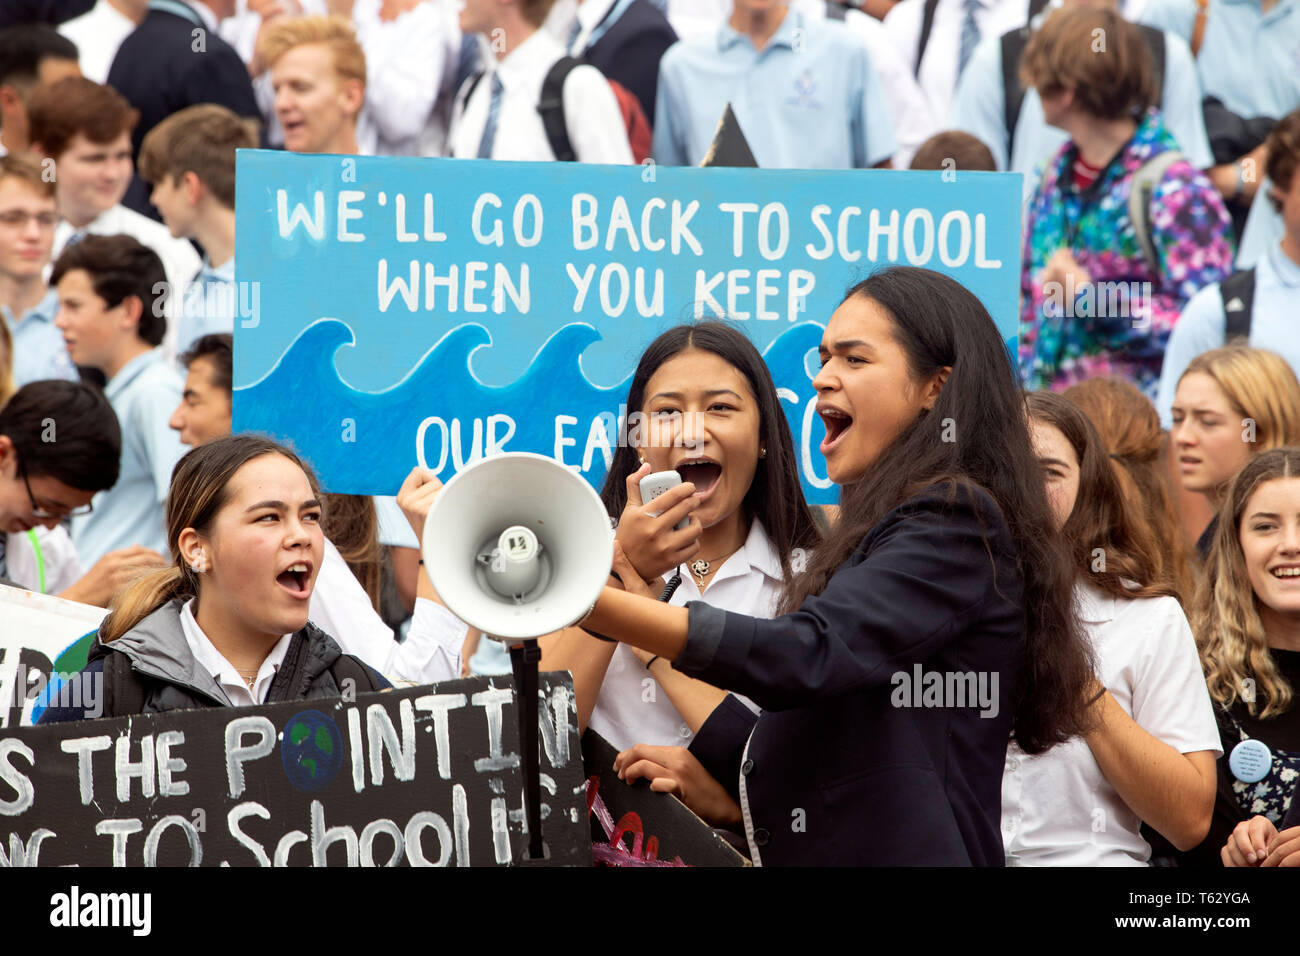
x=39, y=352
x=143, y=393
x=810, y=99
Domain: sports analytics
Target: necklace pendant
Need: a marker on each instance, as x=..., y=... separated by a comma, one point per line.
x=700, y=568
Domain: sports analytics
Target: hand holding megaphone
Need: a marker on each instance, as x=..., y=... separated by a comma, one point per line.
x=648, y=532
x=516, y=545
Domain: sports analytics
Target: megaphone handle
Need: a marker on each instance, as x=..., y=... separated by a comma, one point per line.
x=523, y=660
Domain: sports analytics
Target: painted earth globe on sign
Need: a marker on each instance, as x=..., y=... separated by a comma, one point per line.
x=311, y=750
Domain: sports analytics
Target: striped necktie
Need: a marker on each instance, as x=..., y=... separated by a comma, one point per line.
x=574, y=32
x=4, y=566
x=494, y=114
x=970, y=35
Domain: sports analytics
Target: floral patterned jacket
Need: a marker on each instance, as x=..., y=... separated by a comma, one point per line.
x=1120, y=322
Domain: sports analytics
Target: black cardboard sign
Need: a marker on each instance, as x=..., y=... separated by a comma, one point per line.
x=421, y=776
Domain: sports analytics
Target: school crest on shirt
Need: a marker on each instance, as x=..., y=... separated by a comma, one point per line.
x=805, y=92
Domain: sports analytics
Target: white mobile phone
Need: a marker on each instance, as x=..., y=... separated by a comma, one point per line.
x=652, y=486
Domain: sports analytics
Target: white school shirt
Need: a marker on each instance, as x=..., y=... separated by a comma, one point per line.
x=411, y=67
x=222, y=671
x=97, y=35
x=57, y=562
x=179, y=258
x=938, y=76
x=909, y=109
x=1058, y=809
x=340, y=607
x=629, y=710
x=592, y=116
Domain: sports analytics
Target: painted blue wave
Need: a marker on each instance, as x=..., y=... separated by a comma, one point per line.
x=365, y=442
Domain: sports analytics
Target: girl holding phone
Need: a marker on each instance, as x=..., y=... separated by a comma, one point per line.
x=702, y=403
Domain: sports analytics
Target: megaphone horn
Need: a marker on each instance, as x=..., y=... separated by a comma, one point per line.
x=517, y=546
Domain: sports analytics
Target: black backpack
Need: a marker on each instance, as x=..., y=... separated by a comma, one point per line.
x=1238, y=292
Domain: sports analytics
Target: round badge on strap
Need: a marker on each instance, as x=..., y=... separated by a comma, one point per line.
x=1250, y=761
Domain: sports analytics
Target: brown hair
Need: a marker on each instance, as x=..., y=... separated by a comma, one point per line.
x=335, y=32
x=120, y=267
x=26, y=168
x=1129, y=428
x=7, y=387
x=1095, y=53
x=199, y=139
x=198, y=492
x=1283, y=146
x=74, y=104
x=1261, y=387
x=966, y=152
x=1229, y=631
x=352, y=526
x=1101, y=520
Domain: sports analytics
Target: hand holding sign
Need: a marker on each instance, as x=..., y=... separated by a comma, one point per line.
x=675, y=770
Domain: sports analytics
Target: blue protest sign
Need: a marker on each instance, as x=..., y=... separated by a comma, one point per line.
x=396, y=311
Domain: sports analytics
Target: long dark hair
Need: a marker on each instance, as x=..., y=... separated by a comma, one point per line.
x=1101, y=520
x=775, y=497
x=938, y=324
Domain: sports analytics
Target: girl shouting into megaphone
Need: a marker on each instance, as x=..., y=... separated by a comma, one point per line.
x=932, y=625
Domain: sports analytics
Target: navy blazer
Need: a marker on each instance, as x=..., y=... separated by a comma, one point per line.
x=849, y=764
x=630, y=51
x=159, y=71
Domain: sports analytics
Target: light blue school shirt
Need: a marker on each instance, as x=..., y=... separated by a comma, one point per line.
x=1249, y=60
x=209, y=304
x=810, y=99
x=39, y=352
x=144, y=393
x=1202, y=324
x=978, y=106
x=1263, y=229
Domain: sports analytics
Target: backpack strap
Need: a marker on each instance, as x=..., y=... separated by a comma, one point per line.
x=1013, y=92
x=927, y=25
x=1238, y=292
x=347, y=667
x=551, y=108
x=1144, y=184
x=124, y=693
x=1156, y=44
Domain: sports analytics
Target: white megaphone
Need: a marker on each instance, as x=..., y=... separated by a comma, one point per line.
x=518, y=546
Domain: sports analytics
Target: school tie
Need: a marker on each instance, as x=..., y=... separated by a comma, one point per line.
x=574, y=31
x=4, y=567
x=490, y=128
x=661, y=6
x=970, y=35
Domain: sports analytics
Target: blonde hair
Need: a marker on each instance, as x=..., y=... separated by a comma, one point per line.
x=1229, y=632
x=1261, y=387
x=335, y=32
x=26, y=168
x=198, y=492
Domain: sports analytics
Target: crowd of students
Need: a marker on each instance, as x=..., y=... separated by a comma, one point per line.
x=1110, y=567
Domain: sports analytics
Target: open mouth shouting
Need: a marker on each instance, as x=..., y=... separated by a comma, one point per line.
x=296, y=579
x=702, y=472
x=837, y=424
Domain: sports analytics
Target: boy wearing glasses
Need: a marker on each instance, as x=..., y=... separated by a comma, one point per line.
x=27, y=305
x=59, y=444
x=111, y=291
